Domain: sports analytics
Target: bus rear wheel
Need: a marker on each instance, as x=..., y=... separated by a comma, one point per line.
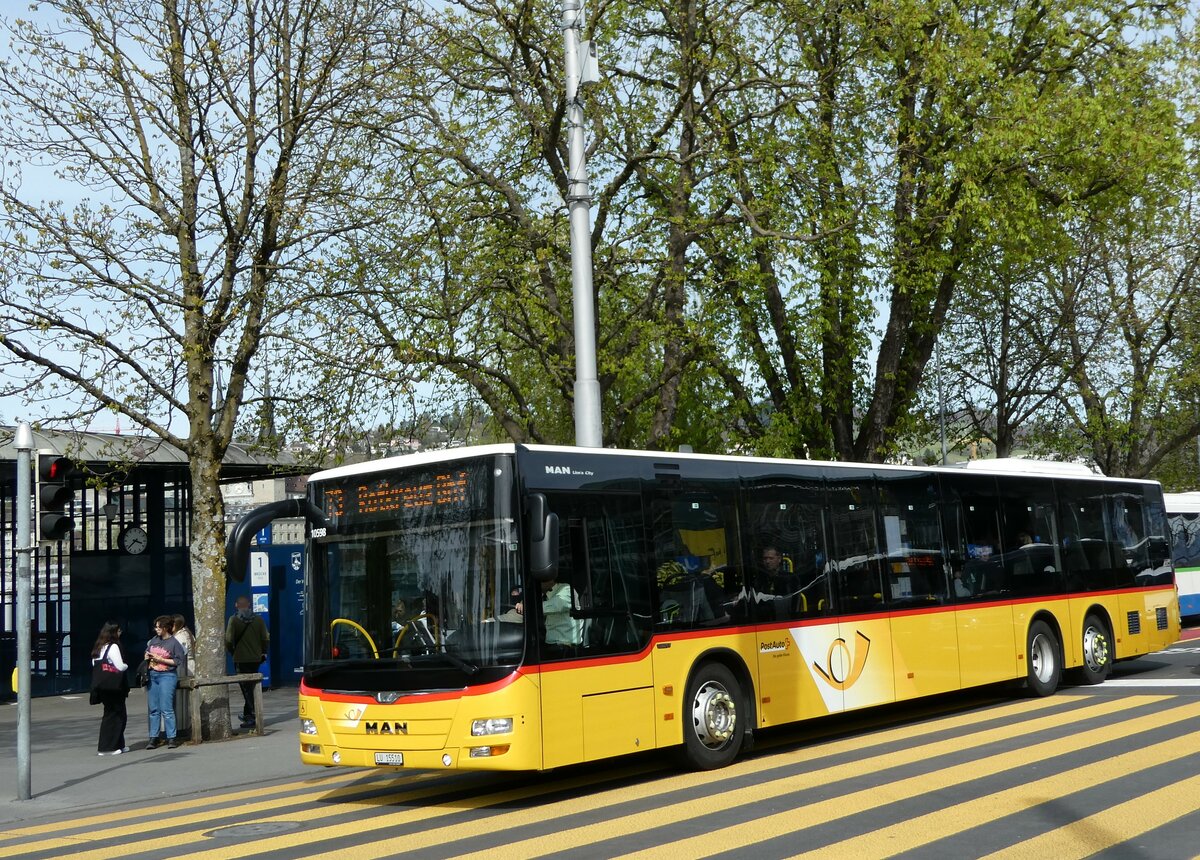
x=1097, y=651
x=1042, y=653
x=713, y=719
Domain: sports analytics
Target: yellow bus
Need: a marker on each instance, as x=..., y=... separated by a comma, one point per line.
x=520, y=607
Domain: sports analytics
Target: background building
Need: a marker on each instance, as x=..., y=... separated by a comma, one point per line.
x=127, y=559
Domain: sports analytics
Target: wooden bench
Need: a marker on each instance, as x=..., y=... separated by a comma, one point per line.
x=194, y=683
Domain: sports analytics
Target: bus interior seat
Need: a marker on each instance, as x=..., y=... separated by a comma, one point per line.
x=685, y=602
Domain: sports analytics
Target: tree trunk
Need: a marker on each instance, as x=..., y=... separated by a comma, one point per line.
x=208, y=590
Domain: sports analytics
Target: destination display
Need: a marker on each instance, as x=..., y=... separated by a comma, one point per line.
x=380, y=496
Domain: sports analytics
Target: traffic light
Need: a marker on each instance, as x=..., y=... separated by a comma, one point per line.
x=54, y=495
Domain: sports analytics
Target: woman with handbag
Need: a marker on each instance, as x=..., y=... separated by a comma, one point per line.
x=110, y=688
x=165, y=655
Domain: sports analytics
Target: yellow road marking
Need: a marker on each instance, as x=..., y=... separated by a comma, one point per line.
x=578, y=836
x=915, y=832
x=200, y=811
x=253, y=811
x=175, y=806
x=803, y=815
x=1085, y=837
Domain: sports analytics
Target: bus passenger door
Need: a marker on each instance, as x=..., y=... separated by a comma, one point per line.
x=987, y=646
x=596, y=679
x=859, y=661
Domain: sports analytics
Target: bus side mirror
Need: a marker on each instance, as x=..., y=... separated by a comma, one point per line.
x=543, y=539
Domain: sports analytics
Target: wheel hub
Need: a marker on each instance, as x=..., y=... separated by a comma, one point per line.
x=714, y=715
x=1095, y=649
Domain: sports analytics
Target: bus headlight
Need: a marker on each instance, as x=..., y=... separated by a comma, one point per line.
x=493, y=726
x=308, y=727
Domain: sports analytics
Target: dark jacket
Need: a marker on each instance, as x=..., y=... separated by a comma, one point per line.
x=247, y=641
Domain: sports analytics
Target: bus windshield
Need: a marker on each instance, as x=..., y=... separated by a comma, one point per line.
x=415, y=580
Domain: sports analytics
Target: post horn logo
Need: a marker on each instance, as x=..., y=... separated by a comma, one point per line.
x=834, y=672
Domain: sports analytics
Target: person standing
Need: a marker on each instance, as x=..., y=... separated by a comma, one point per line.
x=164, y=655
x=112, y=723
x=184, y=637
x=247, y=639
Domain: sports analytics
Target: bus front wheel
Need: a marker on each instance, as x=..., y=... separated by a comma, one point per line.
x=713, y=719
x=1042, y=654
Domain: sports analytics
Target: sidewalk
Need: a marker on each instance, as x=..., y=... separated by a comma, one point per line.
x=66, y=773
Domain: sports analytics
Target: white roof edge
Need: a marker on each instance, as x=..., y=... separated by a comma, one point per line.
x=1025, y=465
x=1004, y=465
x=423, y=458
x=1182, y=503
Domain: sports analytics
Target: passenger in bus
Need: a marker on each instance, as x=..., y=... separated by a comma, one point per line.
x=558, y=599
x=515, y=612
x=777, y=574
x=961, y=589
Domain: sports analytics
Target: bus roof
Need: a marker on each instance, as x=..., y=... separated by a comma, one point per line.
x=1042, y=468
x=1182, y=503
x=1024, y=466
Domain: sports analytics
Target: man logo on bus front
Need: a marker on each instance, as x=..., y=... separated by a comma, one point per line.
x=835, y=675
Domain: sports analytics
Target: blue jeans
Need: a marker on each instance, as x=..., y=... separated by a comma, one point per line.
x=161, y=698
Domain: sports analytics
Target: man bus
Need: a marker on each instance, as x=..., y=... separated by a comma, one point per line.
x=1183, y=520
x=906, y=582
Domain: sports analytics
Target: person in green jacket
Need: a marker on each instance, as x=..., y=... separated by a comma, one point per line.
x=247, y=639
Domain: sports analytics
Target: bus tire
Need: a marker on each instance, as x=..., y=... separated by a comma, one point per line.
x=1043, y=655
x=1097, y=651
x=713, y=719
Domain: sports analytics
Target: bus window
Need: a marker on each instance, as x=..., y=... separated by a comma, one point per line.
x=1086, y=553
x=971, y=520
x=1158, y=540
x=697, y=560
x=912, y=539
x=786, y=536
x=1031, y=559
x=1138, y=539
x=600, y=603
x=857, y=563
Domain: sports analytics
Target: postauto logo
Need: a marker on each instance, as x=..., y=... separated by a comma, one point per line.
x=844, y=665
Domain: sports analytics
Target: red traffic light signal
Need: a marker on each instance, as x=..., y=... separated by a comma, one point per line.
x=54, y=496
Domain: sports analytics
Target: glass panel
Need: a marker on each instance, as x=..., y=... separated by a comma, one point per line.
x=786, y=521
x=912, y=538
x=971, y=519
x=697, y=559
x=857, y=563
x=1086, y=554
x=600, y=603
x=414, y=571
x=1032, y=561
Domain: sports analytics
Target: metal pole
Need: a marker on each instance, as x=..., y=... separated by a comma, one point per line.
x=24, y=445
x=587, y=385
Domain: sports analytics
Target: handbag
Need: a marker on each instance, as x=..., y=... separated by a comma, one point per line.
x=106, y=677
x=143, y=674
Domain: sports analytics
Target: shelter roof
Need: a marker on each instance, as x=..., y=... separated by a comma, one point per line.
x=134, y=453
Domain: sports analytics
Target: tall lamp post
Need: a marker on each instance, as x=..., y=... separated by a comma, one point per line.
x=23, y=442
x=580, y=68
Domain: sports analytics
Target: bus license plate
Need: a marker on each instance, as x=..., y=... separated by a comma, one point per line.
x=389, y=758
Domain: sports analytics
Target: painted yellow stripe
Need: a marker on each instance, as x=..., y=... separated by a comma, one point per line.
x=804, y=815
x=190, y=804
x=201, y=811
x=575, y=837
x=1087, y=836
x=972, y=813
x=253, y=812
